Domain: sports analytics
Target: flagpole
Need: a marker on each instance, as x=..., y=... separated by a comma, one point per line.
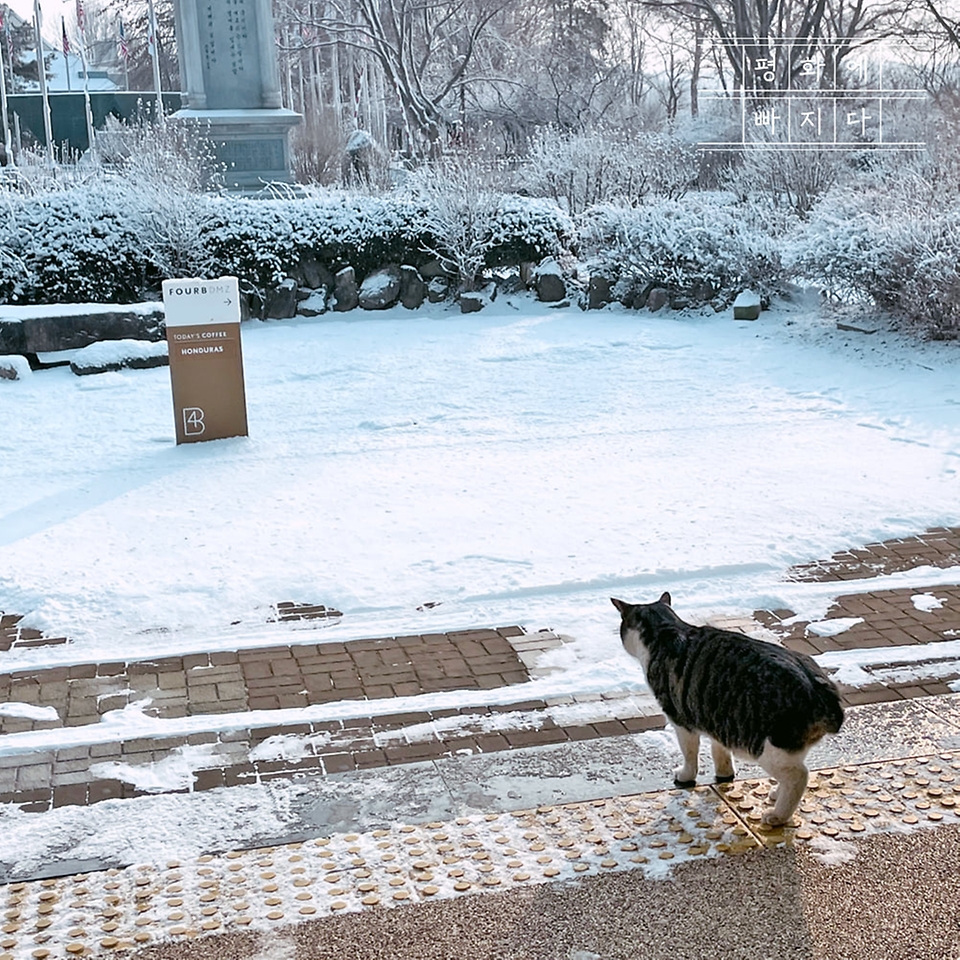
x=87, y=109
x=42, y=75
x=122, y=49
x=153, y=43
x=7, y=142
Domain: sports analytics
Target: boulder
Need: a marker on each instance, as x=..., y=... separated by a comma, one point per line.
x=380, y=289
x=345, y=294
x=657, y=298
x=548, y=281
x=472, y=301
x=598, y=292
x=746, y=306
x=14, y=368
x=433, y=268
x=412, y=288
x=313, y=273
x=438, y=289
x=314, y=305
x=281, y=302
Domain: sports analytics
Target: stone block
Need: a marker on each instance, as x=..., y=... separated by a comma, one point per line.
x=110, y=355
x=52, y=333
x=746, y=306
x=315, y=304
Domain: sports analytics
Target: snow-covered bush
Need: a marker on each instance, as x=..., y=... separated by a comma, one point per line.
x=580, y=170
x=75, y=246
x=895, y=244
x=787, y=178
x=468, y=226
x=696, y=248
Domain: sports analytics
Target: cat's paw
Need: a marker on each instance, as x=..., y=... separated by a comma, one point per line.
x=685, y=777
x=725, y=778
x=772, y=819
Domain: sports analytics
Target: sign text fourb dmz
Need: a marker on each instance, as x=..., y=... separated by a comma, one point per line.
x=206, y=362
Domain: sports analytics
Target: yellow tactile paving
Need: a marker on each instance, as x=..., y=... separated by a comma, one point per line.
x=99, y=914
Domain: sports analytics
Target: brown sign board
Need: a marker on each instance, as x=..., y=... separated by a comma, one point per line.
x=206, y=363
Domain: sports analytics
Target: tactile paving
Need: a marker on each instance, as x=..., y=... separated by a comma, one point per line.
x=99, y=914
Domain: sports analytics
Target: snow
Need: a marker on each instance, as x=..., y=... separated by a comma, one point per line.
x=118, y=352
x=927, y=602
x=833, y=627
x=28, y=711
x=518, y=466
x=515, y=466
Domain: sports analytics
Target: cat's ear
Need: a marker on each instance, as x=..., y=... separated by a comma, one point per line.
x=620, y=605
x=666, y=598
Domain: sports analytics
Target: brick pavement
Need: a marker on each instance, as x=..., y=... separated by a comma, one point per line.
x=298, y=675
x=936, y=547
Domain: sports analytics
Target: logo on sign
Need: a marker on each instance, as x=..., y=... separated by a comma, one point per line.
x=193, y=424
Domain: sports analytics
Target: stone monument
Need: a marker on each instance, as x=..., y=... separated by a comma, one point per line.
x=231, y=88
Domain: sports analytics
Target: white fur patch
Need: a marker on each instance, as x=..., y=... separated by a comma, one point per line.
x=635, y=647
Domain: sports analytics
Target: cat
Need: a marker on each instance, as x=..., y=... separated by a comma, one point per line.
x=754, y=699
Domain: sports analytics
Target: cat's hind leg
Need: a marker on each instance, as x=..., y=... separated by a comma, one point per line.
x=689, y=740
x=791, y=774
x=722, y=762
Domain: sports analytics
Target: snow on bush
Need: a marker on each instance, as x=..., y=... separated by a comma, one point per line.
x=581, y=169
x=894, y=242
x=698, y=248
x=75, y=246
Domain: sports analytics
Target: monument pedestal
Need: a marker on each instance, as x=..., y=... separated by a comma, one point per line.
x=231, y=88
x=252, y=145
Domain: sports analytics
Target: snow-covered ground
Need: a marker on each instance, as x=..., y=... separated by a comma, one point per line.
x=515, y=466
x=520, y=465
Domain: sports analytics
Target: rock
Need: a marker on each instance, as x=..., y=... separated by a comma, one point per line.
x=746, y=306
x=658, y=297
x=438, y=289
x=548, y=280
x=598, y=292
x=313, y=273
x=680, y=303
x=472, y=301
x=71, y=331
x=314, y=305
x=706, y=290
x=345, y=295
x=433, y=268
x=412, y=288
x=380, y=289
x=14, y=368
x=281, y=302
x=118, y=355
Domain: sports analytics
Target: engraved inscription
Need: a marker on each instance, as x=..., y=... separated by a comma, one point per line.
x=231, y=62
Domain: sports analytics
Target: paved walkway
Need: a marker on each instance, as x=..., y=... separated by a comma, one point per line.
x=562, y=789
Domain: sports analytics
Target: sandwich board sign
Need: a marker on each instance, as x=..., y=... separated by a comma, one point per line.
x=206, y=365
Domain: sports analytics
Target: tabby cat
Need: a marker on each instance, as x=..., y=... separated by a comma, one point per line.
x=754, y=699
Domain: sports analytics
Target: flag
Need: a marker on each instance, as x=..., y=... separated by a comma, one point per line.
x=81, y=18
x=123, y=51
x=66, y=42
